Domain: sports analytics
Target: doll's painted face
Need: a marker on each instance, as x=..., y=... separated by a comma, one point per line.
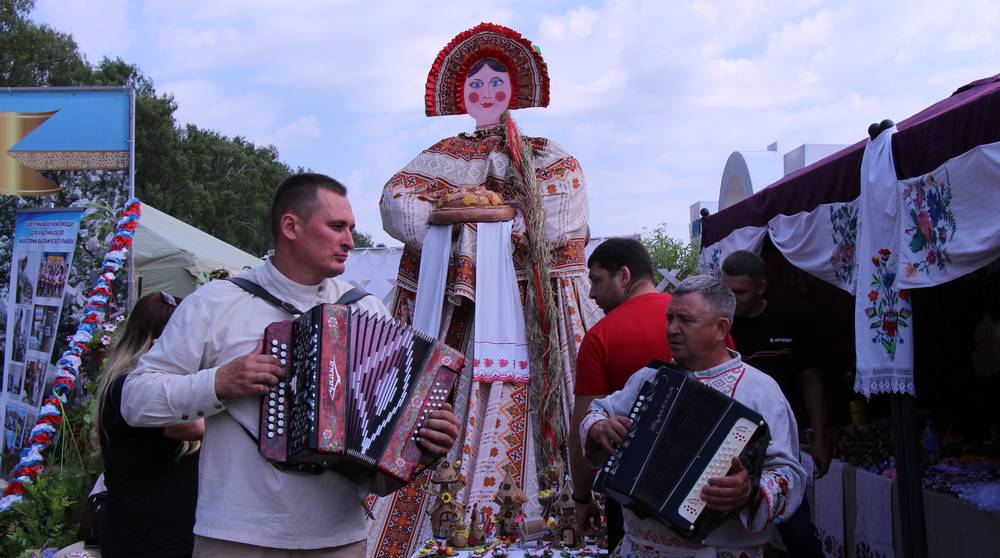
x=487, y=92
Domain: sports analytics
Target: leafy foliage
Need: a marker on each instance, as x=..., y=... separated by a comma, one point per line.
x=668, y=252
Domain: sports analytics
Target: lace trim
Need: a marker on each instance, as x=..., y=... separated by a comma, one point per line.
x=884, y=380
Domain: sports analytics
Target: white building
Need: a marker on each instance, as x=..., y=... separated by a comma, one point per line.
x=748, y=172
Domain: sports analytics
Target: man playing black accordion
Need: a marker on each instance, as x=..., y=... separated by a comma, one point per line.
x=699, y=319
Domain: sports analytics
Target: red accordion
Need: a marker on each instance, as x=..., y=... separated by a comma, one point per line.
x=357, y=389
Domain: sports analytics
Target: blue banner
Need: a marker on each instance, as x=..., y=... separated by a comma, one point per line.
x=42, y=257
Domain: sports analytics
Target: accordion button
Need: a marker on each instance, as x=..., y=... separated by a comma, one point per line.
x=270, y=418
x=270, y=434
x=270, y=427
x=271, y=403
x=284, y=362
x=284, y=346
x=274, y=341
x=283, y=354
x=281, y=423
x=281, y=407
x=281, y=431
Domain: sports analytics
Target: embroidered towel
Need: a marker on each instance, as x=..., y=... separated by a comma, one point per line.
x=829, y=506
x=745, y=238
x=948, y=224
x=431, y=283
x=873, y=522
x=501, y=348
x=821, y=242
x=883, y=317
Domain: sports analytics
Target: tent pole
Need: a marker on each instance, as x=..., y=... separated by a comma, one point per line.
x=909, y=487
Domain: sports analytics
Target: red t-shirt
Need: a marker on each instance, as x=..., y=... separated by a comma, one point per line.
x=621, y=343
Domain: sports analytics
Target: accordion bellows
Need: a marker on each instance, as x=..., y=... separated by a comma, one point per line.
x=358, y=387
x=683, y=433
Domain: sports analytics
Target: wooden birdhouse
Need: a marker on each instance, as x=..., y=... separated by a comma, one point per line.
x=510, y=498
x=446, y=510
x=564, y=509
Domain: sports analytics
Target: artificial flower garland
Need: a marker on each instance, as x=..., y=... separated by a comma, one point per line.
x=94, y=313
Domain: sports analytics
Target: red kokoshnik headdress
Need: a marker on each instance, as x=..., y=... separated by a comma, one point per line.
x=528, y=74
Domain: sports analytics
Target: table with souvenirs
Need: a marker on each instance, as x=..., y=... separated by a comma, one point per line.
x=438, y=548
x=855, y=506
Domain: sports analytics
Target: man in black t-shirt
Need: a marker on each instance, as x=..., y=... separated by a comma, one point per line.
x=777, y=342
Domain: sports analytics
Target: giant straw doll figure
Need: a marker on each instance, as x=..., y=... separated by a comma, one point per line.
x=495, y=226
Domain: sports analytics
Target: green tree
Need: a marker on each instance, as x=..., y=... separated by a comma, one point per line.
x=362, y=239
x=218, y=184
x=33, y=54
x=668, y=252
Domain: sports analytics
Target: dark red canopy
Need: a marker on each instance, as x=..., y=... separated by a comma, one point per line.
x=969, y=117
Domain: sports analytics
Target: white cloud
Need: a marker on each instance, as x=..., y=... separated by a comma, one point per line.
x=100, y=27
x=301, y=129
x=209, y=104
x=651, y=96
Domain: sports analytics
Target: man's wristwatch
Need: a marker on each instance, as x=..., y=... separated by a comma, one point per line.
x=578, y=500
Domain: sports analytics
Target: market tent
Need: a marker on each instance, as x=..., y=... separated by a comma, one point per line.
x=174, y=257
x=968, y=118
x=818, y=206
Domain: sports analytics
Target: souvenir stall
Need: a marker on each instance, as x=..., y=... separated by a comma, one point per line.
x=893, y=244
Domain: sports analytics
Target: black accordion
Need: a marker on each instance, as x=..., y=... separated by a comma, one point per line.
x=683, y=433
x=357, y=389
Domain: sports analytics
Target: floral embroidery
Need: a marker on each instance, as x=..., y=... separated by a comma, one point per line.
x=831, y=545
x=714, y=266
x=845, y=233
x=862, y=550
x=889, y=311
x=775, y=484
x=929, y=200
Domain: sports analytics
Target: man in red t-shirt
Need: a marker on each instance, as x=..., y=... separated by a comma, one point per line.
x=632, y=333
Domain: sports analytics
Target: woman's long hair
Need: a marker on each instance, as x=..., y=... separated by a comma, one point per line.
x=145, y=324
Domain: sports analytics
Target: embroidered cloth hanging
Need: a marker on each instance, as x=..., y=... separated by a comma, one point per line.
x=883, y=317
x=501, y=348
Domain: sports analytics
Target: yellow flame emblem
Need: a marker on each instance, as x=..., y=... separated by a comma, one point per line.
x=15, y=178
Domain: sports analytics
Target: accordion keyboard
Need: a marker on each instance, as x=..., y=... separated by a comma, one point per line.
x=737, y=439
x=276, y=398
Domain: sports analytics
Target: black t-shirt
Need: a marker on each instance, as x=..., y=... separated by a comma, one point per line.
x=778, y=343
x=151, y=494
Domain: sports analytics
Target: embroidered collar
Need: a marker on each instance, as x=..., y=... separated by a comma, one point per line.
x=733, y=363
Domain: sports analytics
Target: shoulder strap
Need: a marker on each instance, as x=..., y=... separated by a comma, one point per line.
x=256, y=290
x=352, y=296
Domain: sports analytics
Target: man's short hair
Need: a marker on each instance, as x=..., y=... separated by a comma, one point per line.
x=716, y=294
x=616, y=253
x=745, y=262
x=297, y=194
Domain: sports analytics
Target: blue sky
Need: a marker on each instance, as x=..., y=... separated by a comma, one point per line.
x=650, y=96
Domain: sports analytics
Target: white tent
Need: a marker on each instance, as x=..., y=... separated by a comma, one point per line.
x=174, y=257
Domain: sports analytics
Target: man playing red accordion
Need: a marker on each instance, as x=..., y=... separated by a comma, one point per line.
x=209, y=363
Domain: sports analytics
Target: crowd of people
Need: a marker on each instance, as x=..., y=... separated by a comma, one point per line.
x=180, y=398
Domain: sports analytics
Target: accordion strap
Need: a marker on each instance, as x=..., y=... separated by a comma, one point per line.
x=350, y=297
x=256, y=290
